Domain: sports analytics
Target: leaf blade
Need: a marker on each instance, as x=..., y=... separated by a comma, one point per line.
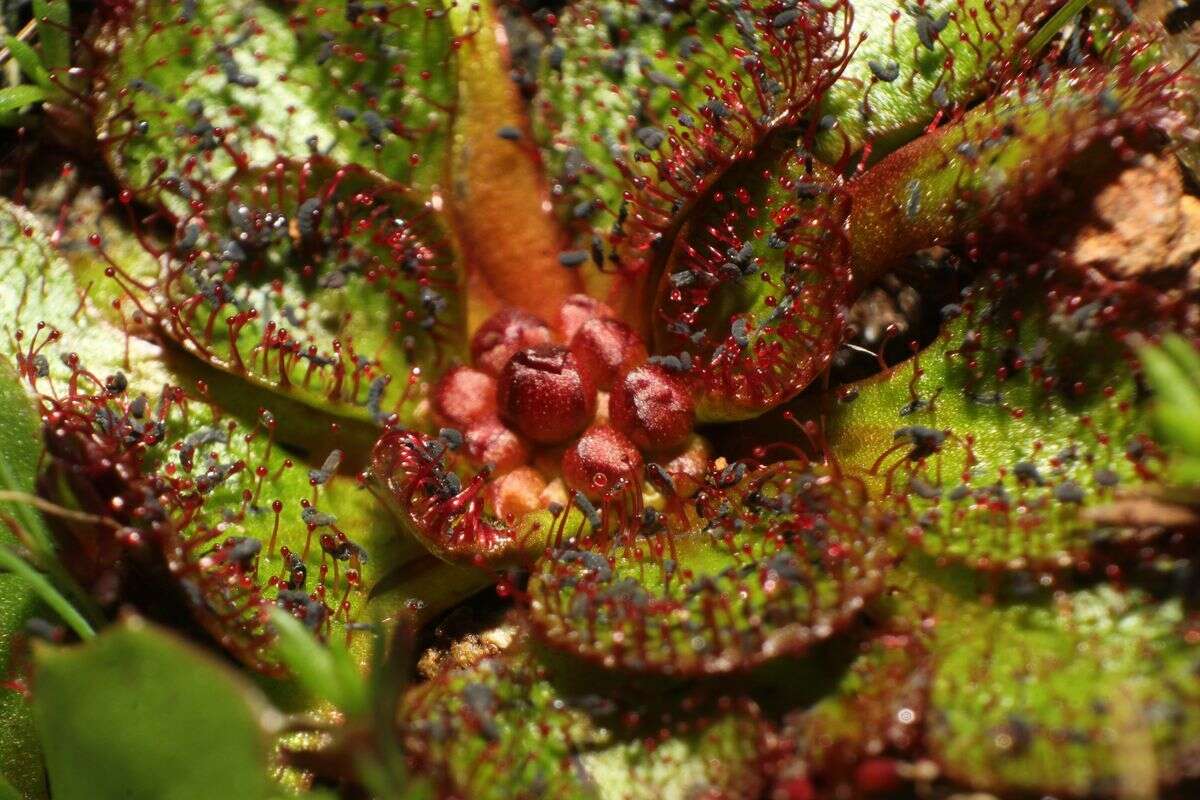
x=141, y=704
x=15, y=97
x=30, y=63
x=54, y=26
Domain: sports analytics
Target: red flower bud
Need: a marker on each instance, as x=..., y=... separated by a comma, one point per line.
x=545, y=395
x=652, y=407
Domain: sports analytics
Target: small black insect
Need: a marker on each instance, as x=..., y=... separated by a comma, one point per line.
x=584, y=209
x=928, y=28
x=1069, y=492
x=452, y=437
x=589, y=510
x=738, y=331
x=785, y=18
x=241, y=550
x=925, y=441
x=651, y=138
x=923, y=489
x=885, y=72
x=374, y=398
x=116, y=384
x=1028, y=472
x=315, y=518
x=321, y=476
x=572, y=258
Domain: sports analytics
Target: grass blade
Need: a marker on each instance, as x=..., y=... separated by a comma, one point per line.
x=14, y=97
x=54, y=32
x=18, y=566
x=29, y=62
x=1055, y=24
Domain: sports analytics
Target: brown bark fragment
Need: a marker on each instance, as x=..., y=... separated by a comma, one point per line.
x=1141, y=222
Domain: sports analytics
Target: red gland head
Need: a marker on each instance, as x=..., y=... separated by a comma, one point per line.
x=878, y=776
x=652, y=407
x=799, y=788
x=545, y=395
x=578, y=309
x=464, y=396
x=599, y=460
x=489, y=442
x=503, y=334
x=606, y=348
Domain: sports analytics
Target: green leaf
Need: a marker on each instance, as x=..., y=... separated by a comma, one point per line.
x=20, y=448
x=1173, y=376
x=15, y=97
x=613, y=61
x=645, y=599
x=764, y=339
x=453, y=722
x=377, y=91
x=519, y=725
x=326, y=671
x=8, y=791
x=239, y=520
x=138, y=713
x=1174, y=373
x=966, y=42
x=1187, y=471
x=37, y=286
x=1093, y=695
x=54, y=32
x=1187, y=357
x=982, y=170
x=30, y=63
x=605, y=67
x=1016, y=418
x=624, y=100
x=366, y=288
x=877, y=701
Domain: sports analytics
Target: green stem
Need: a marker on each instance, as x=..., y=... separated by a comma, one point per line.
x=1055, y=24
x=46, y=591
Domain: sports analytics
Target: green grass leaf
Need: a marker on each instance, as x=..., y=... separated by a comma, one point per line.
x=1186, y=356
x=54, y=32
x=29, y=62
x=1168, y=372
x=1055, y=24
x=326, y=672
x=13, y=563
x=15, y=97
x=138, y=713
x=1173, y=371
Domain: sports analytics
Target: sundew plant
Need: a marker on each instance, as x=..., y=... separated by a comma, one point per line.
x=664, y=399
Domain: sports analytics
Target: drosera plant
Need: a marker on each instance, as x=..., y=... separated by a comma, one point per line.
x=492, y=435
